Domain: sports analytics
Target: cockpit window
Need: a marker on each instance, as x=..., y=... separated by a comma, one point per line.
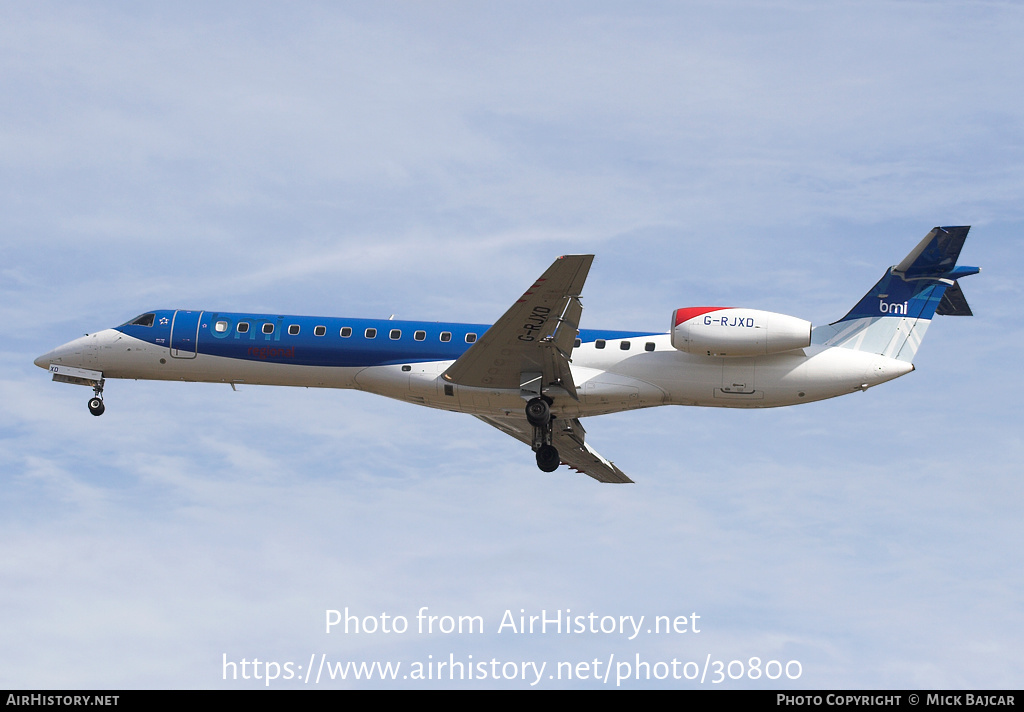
x=143, y=320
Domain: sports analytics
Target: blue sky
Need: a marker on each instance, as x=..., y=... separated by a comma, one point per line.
x=429, y=161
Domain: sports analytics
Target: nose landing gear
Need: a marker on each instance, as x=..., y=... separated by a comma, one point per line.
x=96, y=402
x=538, y=414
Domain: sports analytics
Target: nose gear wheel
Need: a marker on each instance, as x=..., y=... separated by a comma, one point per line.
x=96, y=406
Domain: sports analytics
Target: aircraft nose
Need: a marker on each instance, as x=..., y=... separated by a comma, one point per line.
x=65, y=354
x=44, y=360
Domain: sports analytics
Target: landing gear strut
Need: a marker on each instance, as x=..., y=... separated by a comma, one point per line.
x=96, y=402
x=538, y=413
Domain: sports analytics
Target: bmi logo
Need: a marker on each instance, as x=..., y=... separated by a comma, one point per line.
x=892, y=308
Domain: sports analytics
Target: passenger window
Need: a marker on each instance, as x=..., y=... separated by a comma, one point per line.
x=649, y=346
x=243, y=327
x=395, y=334
x=470, y=338
x=419, y=335
x=346, y=331
x=446, y=336
x=599, y=344
x=624, y=346
x=577, y=344
x=220, y=327
x=293, y=329
x=370, y=333
x=319, y=330
x=268, y=328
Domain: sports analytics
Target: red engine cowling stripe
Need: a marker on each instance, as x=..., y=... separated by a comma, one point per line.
x=688, y=313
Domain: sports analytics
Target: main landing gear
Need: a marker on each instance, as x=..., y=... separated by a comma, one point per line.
x=538, y=414
x=96, y=402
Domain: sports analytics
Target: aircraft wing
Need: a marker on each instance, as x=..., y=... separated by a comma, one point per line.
x=530, y=345
x=569, y=437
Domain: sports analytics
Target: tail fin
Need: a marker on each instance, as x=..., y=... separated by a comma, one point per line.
x=894, y=315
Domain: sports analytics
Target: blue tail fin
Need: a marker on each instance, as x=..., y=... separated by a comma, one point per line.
x=894, y=315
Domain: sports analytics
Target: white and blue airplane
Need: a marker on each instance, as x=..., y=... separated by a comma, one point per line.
x=534, y=374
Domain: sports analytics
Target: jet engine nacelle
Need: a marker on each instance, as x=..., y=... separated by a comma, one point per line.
x=728, y=331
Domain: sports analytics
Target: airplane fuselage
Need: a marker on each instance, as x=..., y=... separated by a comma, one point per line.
x=612, y=370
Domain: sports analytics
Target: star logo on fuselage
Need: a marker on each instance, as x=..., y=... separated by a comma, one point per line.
x=163, y=321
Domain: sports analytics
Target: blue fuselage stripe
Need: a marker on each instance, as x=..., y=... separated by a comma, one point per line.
x=269, y=337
